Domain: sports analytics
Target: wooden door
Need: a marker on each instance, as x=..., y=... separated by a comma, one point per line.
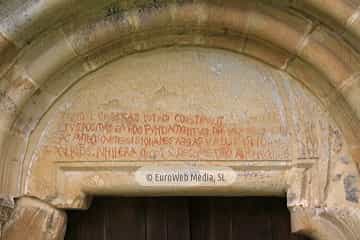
x=195, y=218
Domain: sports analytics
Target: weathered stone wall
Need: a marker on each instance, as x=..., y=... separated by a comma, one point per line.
x=72, y=125
x=183, y=106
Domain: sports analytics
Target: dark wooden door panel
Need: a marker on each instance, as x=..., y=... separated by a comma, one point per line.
x=127, y=221
x=87, y=225
x=220, y=227
x=277, y=213
x=156, y=219
x=182, y=219
x=250, y=219
x=200, y=218
x=178, y=219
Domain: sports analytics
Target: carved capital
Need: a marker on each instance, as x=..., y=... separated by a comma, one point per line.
x=326, y=223
x=35, y=220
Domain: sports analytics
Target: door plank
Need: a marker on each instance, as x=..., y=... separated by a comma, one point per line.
x=125, y=218
x=81, y=223
x=178, y=219
x=250, y=220
x=156, y=219
x=221, y=221
x=200, y=218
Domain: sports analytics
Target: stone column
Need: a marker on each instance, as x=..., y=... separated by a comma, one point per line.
x=33, y=219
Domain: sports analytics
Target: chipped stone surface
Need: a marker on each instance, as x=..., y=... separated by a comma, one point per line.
x=351, y=189
x=6, y=208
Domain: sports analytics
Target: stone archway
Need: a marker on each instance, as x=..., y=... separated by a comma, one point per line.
x=78, y=120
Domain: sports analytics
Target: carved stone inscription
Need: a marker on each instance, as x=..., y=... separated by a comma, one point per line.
x=216, y=111
x=164, y=111
x=190, y=107
x=162, y=136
